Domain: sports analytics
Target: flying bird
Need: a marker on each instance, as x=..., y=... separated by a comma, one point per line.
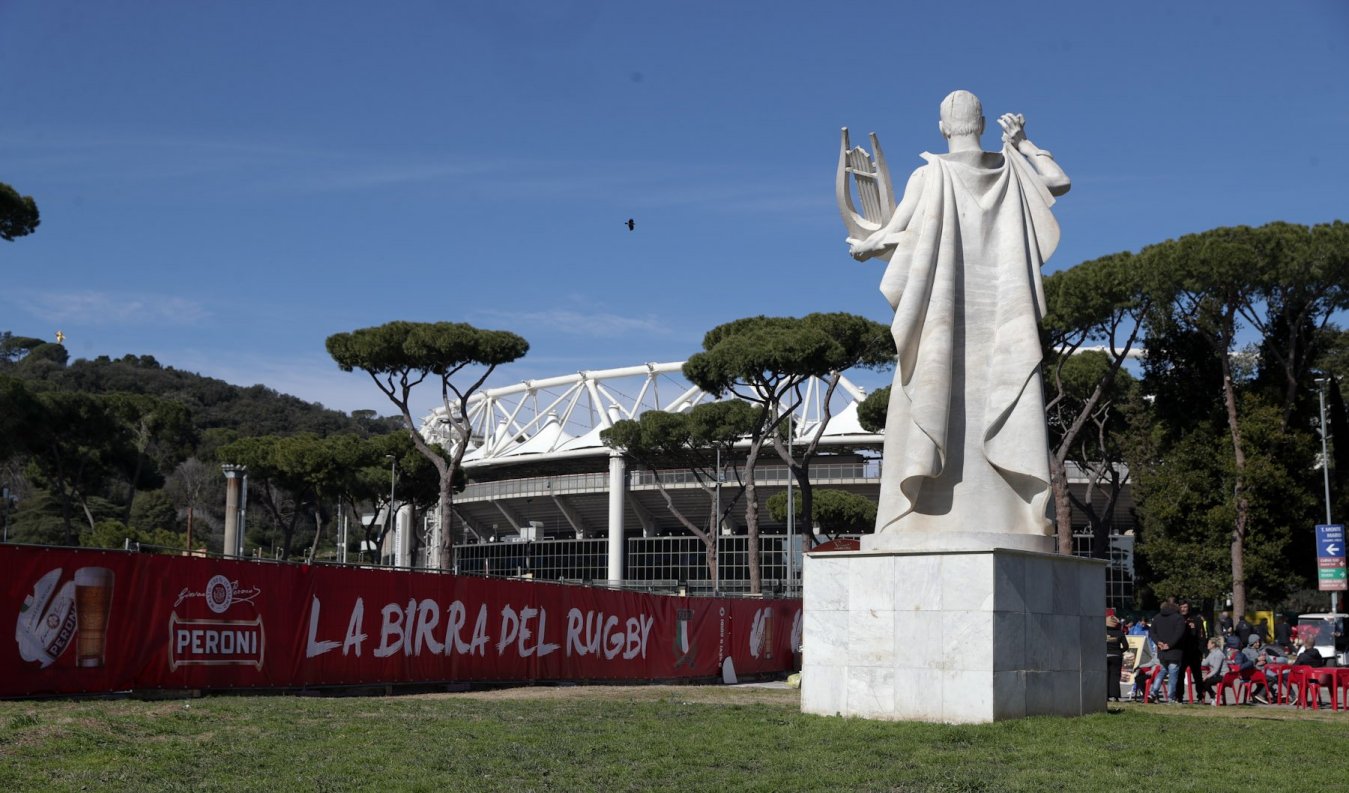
x=631, y=224
x=60, y=337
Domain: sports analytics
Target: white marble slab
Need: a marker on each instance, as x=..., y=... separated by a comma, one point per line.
x=958, y=637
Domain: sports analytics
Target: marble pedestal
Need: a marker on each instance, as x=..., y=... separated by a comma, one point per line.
x=957, y=636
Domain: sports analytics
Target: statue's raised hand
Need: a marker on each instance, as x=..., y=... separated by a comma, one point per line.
x=861, y=250
x=1013, y=128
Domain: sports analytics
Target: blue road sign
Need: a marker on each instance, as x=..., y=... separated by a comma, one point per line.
x=1330, y=541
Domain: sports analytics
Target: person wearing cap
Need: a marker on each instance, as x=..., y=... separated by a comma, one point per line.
x=1255, y=651
x=1273, y=659
x=1115, y=644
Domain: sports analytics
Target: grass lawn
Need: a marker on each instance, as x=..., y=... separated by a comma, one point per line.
x=684, y=738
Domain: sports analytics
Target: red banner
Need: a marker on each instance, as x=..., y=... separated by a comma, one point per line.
x=90, y=621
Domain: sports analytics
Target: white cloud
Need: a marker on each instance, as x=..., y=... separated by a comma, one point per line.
x=93, y=308
x=592, y=324
x=271, y=167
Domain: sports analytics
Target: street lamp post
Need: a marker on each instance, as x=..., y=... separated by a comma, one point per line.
x=390, y=523
x=791, y=514
x=716, y=532
x=1321, y=383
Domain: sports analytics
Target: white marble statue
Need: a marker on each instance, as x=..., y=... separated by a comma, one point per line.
x=966, y=447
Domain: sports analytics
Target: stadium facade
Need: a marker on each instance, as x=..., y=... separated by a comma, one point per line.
x=547, y=499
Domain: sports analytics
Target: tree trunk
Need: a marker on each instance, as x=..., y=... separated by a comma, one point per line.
x=132, y=489
x=58, y=474
x=72, y=537
x=1063, y=508
x=1242, y=502
x=288, y=532
x=318, y=532
x=1104, y=521
x=89, y=516
x=446, y=550
x=752, y=518
x=752, y=532
x=802, y=474
x=1058, y=473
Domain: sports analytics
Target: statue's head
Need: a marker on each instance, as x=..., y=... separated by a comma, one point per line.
x=961, y=114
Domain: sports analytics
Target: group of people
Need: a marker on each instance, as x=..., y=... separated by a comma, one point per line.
x=1182, y=643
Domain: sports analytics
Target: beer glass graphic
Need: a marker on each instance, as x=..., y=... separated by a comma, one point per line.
x=93, y=596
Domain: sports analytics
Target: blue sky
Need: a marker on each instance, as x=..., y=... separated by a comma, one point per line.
x=223, y=185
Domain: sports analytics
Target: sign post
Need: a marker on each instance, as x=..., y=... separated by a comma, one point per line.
x=1330, y=567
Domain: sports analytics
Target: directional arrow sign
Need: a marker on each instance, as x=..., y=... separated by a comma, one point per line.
x=1330, y=561
x=1330, y=541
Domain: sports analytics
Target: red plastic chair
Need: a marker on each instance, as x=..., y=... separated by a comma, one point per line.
x=1309, y=682
x=1240, y=685
x=1249, y=681
x=1149, y=675
x=1282, y=690
x=1340, y=681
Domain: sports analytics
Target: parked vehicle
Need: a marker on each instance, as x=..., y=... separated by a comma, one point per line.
x=1331, y=640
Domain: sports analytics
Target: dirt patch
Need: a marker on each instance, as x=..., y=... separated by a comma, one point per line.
x=1259, y=712
x=706, y=695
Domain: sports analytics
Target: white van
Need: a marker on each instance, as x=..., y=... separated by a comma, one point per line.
x=1330, y=633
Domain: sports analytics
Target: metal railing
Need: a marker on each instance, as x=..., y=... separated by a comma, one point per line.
x=868, y=471
x=535, y=486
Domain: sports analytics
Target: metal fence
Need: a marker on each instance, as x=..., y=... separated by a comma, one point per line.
x=669, y=564
x=675, y=564
x=552, y=560
x=651, y=563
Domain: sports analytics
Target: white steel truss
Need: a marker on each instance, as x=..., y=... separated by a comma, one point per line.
x=563, y=416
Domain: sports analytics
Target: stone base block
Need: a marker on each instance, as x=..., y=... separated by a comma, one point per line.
x=964, y=636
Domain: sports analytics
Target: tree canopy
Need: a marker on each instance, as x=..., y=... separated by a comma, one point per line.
x=766, y=361
x=1100, y=303
x=398, y=356
x=835, y=511
x=1282, y=284
x=694, y=442
x=83, y=442
x=18, y=214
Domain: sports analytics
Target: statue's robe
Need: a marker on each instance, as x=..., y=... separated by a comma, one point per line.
x=966, y=446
